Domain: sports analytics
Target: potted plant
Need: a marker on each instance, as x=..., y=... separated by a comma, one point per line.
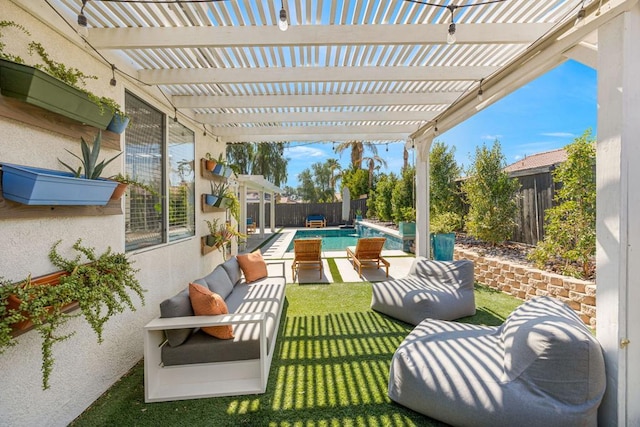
x=212, y=198
x=125, y=181
x=407, y=225
x=120, y=120
x=51, y=85
x=358, y=214
x=209, y=162
x=82, y=186
x=219, y=190
x=100, y=284
x=442, y=227
x=220, y=236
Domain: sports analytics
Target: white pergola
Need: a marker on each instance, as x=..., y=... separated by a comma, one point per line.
x=262, y=186
x=382, y=72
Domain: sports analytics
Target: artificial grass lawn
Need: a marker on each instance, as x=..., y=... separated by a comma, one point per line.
x=330, y=368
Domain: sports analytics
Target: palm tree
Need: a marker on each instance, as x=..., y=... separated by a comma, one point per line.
x=336, y=172
x=371, y=162
x=357, y=151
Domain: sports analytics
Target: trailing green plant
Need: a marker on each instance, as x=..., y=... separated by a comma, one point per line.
x=100, y=284
x=89, y=159
x=233, y=204
x=126, y=179
x=570, y=225
x=6, y=55
x=70, y=75
x=446, y=222
x=491, y=196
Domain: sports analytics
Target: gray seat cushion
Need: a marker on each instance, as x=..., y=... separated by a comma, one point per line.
x=543, y=367
x=433, y=289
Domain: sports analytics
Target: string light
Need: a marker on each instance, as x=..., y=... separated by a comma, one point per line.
x=283, y=24
x=82, y=22
x=205, y=130
x=480, y=91
x=435, y=129
x=175, y=116
x=113, y=81
x=581, y=15
x=451, y=34
x=599, y=7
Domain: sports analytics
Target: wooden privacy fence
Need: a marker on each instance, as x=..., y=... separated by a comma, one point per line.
x=295, y=214
x=534, y=198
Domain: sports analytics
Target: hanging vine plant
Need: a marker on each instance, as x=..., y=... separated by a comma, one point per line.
x=100, y=284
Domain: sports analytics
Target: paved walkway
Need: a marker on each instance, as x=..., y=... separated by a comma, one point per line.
x=275, y=248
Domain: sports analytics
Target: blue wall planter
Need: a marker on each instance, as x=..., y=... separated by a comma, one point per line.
x=36, y=186
x=118, y=123
x=211, y=200
x=407, y=228
x=442, y=246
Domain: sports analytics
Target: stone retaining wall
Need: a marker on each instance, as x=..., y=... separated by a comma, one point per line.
x=525, y=282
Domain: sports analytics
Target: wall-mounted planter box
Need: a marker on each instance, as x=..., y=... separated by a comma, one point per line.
x=30, y=85
x=36, y=186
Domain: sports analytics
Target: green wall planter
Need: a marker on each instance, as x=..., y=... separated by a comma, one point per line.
x=30, y=85
x=36, y=186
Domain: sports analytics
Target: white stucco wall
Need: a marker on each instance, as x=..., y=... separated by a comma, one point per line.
x=83, y=369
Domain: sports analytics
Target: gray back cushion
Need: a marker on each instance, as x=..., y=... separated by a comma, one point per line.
x=232, y=268
x=458, y=274
x=217, y=281
x=547, y=344
x=177, y=306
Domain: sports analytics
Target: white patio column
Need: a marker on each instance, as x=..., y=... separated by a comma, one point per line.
x=262, y=216
x=422, y=147
x=272, y=212
x=243, y=211
x=618, y=216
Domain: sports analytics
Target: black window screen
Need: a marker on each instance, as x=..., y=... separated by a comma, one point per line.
x=144, y=142
x=181, y=181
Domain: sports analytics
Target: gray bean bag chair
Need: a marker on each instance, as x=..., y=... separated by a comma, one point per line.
x=432, y=289
x=542, y=367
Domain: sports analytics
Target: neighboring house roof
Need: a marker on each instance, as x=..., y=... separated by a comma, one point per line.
x=541, y=162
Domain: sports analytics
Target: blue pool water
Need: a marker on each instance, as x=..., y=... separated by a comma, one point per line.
x=339, y=239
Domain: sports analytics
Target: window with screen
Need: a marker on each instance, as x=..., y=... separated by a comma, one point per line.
x=181, y=181
x=144, y=162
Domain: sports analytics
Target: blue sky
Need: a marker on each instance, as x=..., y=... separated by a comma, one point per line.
x=546, y=114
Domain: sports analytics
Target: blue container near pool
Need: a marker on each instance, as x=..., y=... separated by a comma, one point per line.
x=442, y=245
x=37, y=186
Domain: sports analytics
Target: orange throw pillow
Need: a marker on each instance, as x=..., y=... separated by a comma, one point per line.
x=207, y=303
x=253, y=266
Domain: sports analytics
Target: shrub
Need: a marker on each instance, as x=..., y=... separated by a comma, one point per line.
x=443, y=173
x=491, y=195
x=402, y=196
x=570, y=232
x=384, y=190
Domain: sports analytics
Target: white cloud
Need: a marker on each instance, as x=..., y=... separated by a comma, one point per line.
x=559, y=134
x=304, y=152
x=491, y=137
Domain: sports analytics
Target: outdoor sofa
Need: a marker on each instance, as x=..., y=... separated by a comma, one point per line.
x=435, y=289
x=541, y=367
x=315, y=221
x=181, y=361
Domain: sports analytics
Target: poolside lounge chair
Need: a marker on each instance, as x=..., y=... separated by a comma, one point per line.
x=251, y=225
x=367, y=253
x=317, y=221
x=307, y=254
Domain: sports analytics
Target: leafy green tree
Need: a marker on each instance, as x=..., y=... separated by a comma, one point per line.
x=384, y=192
x=356, y=180
x=263, y=158
x=443, y=173
x=570, y=232
x=307, y=189
x=491, y=196
x=402, y=198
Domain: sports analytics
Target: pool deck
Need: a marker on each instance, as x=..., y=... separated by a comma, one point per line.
x=276, y=246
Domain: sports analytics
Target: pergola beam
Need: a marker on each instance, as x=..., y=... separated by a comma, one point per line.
x=311, y=74
x=232, y=118
x=362, y=99
x=275, y=131
x=319, y=137
x=311, y=35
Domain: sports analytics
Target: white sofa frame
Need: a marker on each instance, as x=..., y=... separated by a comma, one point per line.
x=193, y=381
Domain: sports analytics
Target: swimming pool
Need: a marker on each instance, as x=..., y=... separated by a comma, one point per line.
x=339, y=239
